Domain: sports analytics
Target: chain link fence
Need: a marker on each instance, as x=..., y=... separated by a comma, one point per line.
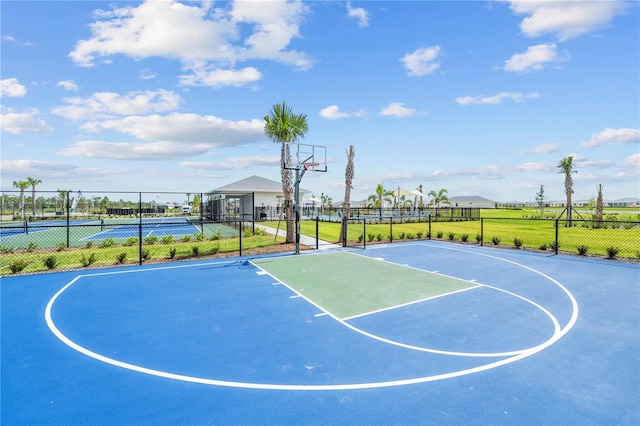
x=60, y=230
x=611, y=239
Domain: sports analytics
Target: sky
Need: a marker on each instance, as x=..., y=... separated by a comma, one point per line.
x=481, y=98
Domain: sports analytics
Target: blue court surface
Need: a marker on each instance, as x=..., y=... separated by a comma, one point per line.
x=416, y=333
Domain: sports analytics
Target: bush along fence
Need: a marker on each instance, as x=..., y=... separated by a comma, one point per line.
x=40, y=246
x=611, y=239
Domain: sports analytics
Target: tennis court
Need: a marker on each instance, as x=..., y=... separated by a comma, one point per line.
x=417, y=333
x=51, y=233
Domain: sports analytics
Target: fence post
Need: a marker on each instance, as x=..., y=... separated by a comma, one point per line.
x=317, y=232
x=140, y=228
x=240, y=237
x=429, y=234
x=68, y=220
x=364, y=233
x=557, y=242
x=391, y=229
x=481, y=232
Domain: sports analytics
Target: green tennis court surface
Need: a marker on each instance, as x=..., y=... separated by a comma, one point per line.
x=348, y=285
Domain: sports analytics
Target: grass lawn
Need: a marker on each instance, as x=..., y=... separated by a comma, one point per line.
x=501, y=227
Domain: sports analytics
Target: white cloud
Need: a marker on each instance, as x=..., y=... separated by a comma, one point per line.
x=613, y=137
x=495, y=99
x=422, y=61
x=186, y=128
x=147, y=74
x=630, y=169
x=109, y=103
x=234, y=163
x=535, y=167
x=397, y=109
x=333, y=112
x=358, y=13
x=534, y=59
x=160, y=150
x=565, y=19
x=68, y=85
x=10, y=87
x=220, y=77
x=632, y=161
x=23, y=122
x=31, y=167
x=206, y=40
x=14, y=40
x=546, y=148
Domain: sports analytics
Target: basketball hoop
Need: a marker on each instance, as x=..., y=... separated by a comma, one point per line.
x=310, y=166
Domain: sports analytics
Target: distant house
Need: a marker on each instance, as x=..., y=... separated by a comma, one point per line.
x=252, y=198
x=472, y=202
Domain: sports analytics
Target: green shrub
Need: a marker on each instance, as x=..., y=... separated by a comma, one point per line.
x=370, y=236
x=61, y=247
x=419, y=234
x=464, y=238
x=18, y=265
x=612, y=252
x=495, y=240
x=107, y=242
x=6, y=250
x=186, y=238
x=553, y=246
x=247, y=232
x=410, y=236
x=439, y=234
x=452, y=236
x=360, y=238
x=517, y=242
x=582, y=250
x=217, y=235
x=379, y=237
x=151, y=240
x=50, y=262
x=32, y=246
x=172, y=252
x=145, y=254
x=121, y=257
x=167, y=239
x=215, y=248
x=89, y=244
x=131, y=241
x=195, y=250
x=86, y=261
x=478, y=238
x=543, y=247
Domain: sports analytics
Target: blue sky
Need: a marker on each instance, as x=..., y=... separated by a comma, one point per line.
x=480, y=98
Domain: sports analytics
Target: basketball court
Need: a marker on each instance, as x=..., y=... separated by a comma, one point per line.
x=409, y=333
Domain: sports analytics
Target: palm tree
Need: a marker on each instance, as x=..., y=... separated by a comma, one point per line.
x=348, y=184
x=21, y=185
x=439, y=197
x=378, y=199
x=326, y=201
x=415, y=200
x=599, y=207
x=33, y=182
x=283, y=126
x=566, y=167
x=63, y=199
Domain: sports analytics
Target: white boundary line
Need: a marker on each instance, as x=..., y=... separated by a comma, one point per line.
x=271, y=386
